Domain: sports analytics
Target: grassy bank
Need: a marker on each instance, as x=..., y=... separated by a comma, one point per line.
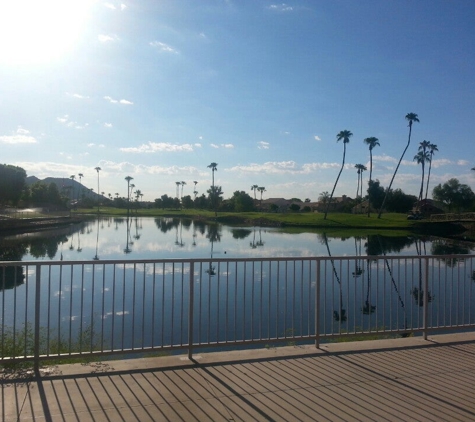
x=308, y=220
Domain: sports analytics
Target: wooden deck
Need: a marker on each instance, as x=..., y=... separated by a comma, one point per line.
x=404, y=379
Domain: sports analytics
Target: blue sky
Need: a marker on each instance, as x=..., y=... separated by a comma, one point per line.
x=159, y=89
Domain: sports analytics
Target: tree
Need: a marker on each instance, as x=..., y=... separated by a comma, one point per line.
x=398, y=201
x=454, y=194
x=372, y=143
x=254, y=188
x=182, y=185
x=411, y=117
x=294, y=207
x=195, y=192
x=242, y=202
x=261, y=189
x=213, y=167
x=80, y=175
x=12, y=182
x=98, y=169
x=422, y=157
x=344, y=136
x=177, y=189
x=375, y=193
x=214, y=196
x=432, y=149
x=360, y=169
x=72, y=177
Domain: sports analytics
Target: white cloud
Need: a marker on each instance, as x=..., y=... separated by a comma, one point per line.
x=312, y=167
x=281, y=167
x=123, y=6
x=263, y=145
x=75, y=95
x=463, y=162
x=214, y=146
x=442, y=162
x=317, y=138
x=228, y=146
x=283, y=7
x=197, y=145
x=108, y=125
x=107, y=38
x=63, y=119
x=162, y=47
x=153, y=147
x=112, y=6
x=114, y=101
x=21, y=136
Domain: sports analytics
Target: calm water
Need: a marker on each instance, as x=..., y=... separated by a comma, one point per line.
x=155, y=238
x=351, y=299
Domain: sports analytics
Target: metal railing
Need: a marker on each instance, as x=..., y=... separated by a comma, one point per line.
x=79, y=309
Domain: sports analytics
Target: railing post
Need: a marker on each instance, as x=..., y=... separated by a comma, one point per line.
x=36, y=350
x=317, y=306
x=425, y=298
x=190, y=311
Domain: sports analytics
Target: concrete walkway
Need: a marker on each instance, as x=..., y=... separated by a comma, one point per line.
x=404, y=379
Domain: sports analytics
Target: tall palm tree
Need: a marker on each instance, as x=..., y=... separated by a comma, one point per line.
x=72, y=177
x=411, y=117
x=360, y=168
x=128, y=178
x=98, y=169
x=182, y=184
x=254, y=188
x=422, y=157
x=261, y=189
x=177, y=189
x=432, y=149
x=80, y=175
x=213, y=167
x=423, y=147
x=372, y=143
x=344, y=136
x=195, y=192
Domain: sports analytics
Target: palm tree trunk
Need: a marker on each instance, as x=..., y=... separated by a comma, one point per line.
x=428, y=175
x=395, y=171
x=336, y=182
x=421, y=193
x=370, y=178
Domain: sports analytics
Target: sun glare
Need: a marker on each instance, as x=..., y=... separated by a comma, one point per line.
x=39, y=31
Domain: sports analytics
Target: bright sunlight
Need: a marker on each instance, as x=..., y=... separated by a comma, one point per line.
x=38, y=31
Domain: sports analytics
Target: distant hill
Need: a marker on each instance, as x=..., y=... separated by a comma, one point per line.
x=66, y=183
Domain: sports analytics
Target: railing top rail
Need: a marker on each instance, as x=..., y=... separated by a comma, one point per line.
x=217, y=260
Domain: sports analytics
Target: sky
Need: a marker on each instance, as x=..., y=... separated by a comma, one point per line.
x=159, y=89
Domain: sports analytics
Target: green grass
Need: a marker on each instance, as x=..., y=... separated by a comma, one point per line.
x=390, y=221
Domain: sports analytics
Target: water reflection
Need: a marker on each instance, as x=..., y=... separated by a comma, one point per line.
x=114, y=237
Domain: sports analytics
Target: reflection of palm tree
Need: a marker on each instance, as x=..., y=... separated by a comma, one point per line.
x=96, y=257
x=214, y=235
x=128, y=179
x=418, y=293
x=340, y=315
x=127, y=249
x=79, y=249
x=368, y=309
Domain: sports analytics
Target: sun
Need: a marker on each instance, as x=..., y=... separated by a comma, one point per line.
x=39, y=31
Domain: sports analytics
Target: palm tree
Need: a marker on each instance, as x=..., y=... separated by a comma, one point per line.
x=213, y=167
x=372, y=142
x=422, y=157
x=432, y=149
x=98, y=169
x=80, y=175
x=360, y=169
x=261, y=189
x=177, y=189
x=254, y=188
x=423, y=147
x=128, y=178
x=411, y=117
x=72, y=177
x=195, y=192
x=344, y=135
x=182, y=184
